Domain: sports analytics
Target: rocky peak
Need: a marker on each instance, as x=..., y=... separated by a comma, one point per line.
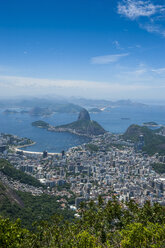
x=84, y=115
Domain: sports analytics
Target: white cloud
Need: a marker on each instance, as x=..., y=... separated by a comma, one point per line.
x=108, y=58
x=133, y=9
x=137, y=8
x=153, y=28
x=130, y=85
x=117, y=45
x=40, y=83
x=159, y=70
x=142, y=71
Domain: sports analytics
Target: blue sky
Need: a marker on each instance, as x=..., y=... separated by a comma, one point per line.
x=109, y=49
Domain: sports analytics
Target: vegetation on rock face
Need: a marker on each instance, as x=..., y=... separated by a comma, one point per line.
x=100, y=225
x=85, y=127
x=153, y=143
x=7, y=195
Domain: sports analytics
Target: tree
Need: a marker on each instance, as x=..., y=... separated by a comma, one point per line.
x=138, y=235
x=12, y=235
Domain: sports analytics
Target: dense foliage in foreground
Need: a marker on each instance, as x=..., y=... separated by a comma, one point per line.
x=100, y=225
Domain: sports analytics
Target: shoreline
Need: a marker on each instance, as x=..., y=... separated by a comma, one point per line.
x=39, y=153
x=17, y=148
x=27, y=145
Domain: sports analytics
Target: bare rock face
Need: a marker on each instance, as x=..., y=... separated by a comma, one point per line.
x=84, y=115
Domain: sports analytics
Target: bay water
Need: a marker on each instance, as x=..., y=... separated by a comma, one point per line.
x=117, y=120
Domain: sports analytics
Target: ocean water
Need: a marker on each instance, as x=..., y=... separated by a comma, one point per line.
x=20, y=124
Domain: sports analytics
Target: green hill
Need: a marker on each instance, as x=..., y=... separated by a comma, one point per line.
x=153, y=143
x=84, y=125
x=41, y=124
x=16, y=204
x=11, y=172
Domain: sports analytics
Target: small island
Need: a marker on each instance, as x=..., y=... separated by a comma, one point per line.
x=150, y=123
x=84, y=126
x=40, y=124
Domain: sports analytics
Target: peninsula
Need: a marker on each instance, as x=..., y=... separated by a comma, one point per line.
x=83, y=126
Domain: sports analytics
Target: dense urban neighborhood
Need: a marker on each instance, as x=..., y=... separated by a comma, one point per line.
x=106, y=166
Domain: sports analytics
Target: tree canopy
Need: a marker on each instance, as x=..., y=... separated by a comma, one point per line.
x=112, y=224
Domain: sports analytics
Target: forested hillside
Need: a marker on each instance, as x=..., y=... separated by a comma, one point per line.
x=153, y=143
x=7, y=169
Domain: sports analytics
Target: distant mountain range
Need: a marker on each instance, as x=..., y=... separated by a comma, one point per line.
x=42, y=111
x=86, y=103
x=53, y=102
x=47, y=106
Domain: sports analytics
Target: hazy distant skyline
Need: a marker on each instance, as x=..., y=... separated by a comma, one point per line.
x=108, y=49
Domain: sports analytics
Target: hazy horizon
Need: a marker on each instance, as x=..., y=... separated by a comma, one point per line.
x=76, y=100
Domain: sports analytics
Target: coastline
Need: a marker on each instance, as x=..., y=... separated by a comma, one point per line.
x=17, y=148
x=39, y=153
x=27, y=145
